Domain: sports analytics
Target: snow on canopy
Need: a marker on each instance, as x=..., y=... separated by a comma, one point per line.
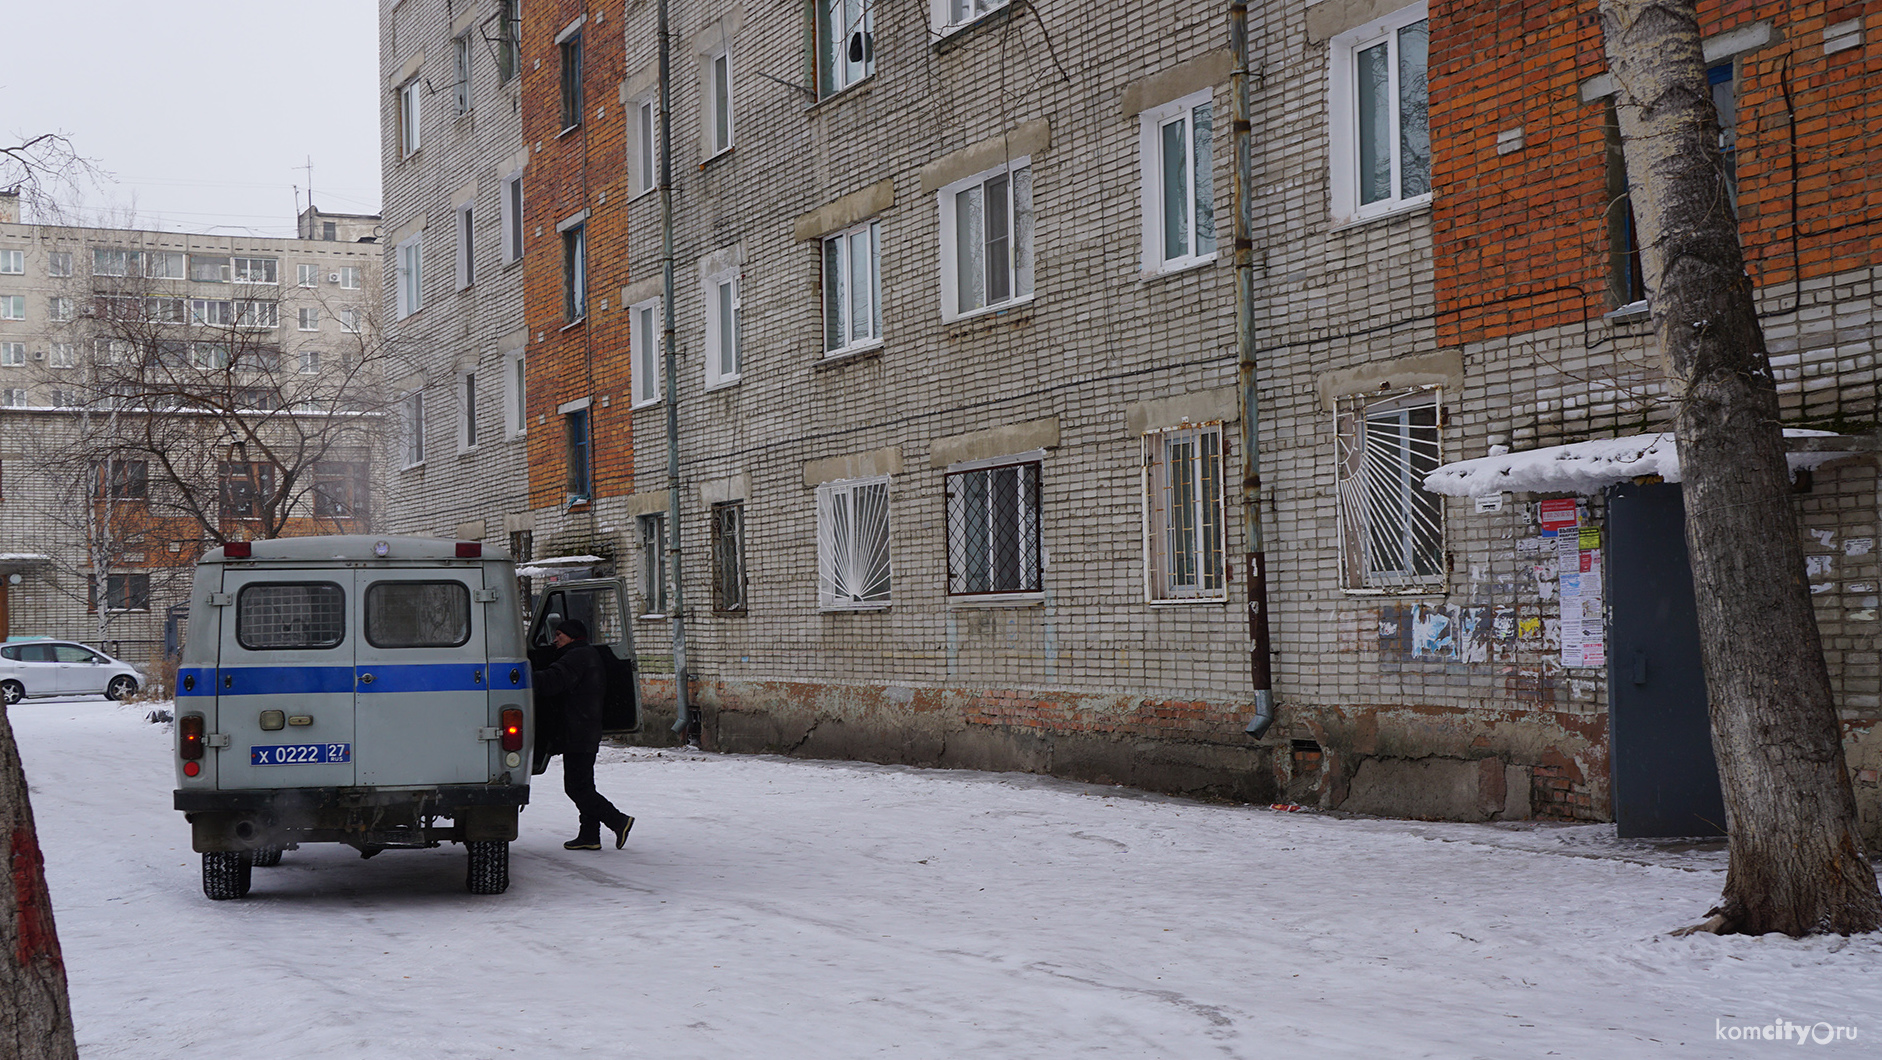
x=1583, y=467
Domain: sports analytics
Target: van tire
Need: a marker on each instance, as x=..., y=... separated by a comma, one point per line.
x=489, y=869
x=265, y=857
x=226, y=874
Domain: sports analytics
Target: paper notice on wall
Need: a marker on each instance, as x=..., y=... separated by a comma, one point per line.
x=1568, y=554
x=1572, y=632
x=1559, y=513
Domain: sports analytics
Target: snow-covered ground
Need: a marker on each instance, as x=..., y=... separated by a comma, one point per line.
x=778, y=908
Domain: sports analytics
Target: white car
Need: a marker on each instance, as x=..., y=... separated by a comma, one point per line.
x=61, y=668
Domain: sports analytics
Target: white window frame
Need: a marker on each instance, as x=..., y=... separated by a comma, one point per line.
x=461, y=68
x=645, y=145
x=59, y=308
x=465, y=228
x=1027, y=507
x=349, y=277
x=409, y=275
x=14, y=397
x=847, y=579
x=59, y=263
x=510, y=216
x=244, y=270
x=1207, y=561
x=651, y=533
x=12, y=262
x=350, y=319
x=408, y=117
x=718, y=63
x=307, y=318
x=951, y=16
x=310, y=362
x=166, y=265
x=412, y=430
x=574, y=268
x=839, y=24
x=308, y=275
x=467, y=408
x=515, y=393
x=840, y=306
x=62, y=355
x=256, y=313
x=1343, y=117
x=647, y=326
x=1379, y=465
x=716, y=349
x=1151, y=126
x=12, y=307
x=1021, y=261
x=12, y=355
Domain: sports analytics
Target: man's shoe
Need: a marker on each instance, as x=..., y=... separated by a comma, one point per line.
x=582, y=843
x=620, y=834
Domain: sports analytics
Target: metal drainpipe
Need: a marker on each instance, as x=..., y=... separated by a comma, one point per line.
x=1260, y=662
x=676, y=599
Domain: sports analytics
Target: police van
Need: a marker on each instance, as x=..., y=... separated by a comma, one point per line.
x=352, y=689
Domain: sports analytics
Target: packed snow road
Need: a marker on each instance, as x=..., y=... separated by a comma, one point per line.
x=776, y=908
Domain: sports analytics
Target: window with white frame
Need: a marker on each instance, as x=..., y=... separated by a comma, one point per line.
x=310, y=362
x=349, y=319
x=211, y=312
x=1391, y=529
x=466, y=246
x=115, y=261
x=728, y=556
x=166, y=264
x=1183, y=525
x=852, y=289
x=510, y=216
x=349, y=277
x=412, y=429
x=306, y=275
x=409, y=94
x=846, y=44
x=59, y=307
x=646, y=146
x=466, y=411
x=1179, y=182
x=12, y=262
x=408, y=267
x=653, y=568
x=165, y=311
x=1378, y=110
x=723, y=331
x=59, y=263
x=66, y=399
x=210, y=356
x=461, y=67
x=206, y=269
x=578, y=449
x=950, y=15
x=309, y=318
x=12, y=355
x=647, y=324
x=255, y=270
x=986, y=240
x=853, y=544
x=63, y=355
x=993, y=529
x=254, y=313
x=575, y=272
x=13, y=307
x=13, y=397
x=515, y=393
x=719, y=129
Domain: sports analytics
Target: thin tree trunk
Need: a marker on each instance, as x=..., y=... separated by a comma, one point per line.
x=1797, y=864
x=35, y=1010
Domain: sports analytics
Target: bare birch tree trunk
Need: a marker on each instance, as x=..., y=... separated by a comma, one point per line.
x=35, y=1010
x=1797, y=864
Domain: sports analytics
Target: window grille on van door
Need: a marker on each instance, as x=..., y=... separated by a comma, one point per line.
x=290, y=615
x=1391, y=528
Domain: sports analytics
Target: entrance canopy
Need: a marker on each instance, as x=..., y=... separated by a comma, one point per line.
x=1585, y=467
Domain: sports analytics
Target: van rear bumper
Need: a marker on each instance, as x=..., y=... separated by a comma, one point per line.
x=371, y=819
x=439, y=798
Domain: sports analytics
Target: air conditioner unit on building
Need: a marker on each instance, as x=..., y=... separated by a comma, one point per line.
x=39, y=355
x=333, y=277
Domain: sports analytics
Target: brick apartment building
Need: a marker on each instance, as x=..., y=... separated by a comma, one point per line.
x=958, y=415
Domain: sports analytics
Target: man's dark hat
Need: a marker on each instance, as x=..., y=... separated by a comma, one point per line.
x=573, y=628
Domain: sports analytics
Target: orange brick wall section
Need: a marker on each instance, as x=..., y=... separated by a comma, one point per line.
x=584, y=167
x=1521, y=240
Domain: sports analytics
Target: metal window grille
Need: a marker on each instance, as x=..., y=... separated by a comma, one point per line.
x=417, y=614
x=1391, y=528
x=993, y=530
x=728, y=557
x=653, y=568
x=286, y=615
x=1183, y=471
x=853, y=545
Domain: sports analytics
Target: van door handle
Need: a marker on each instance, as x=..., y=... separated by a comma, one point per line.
x=365, y=679
x=228, y=680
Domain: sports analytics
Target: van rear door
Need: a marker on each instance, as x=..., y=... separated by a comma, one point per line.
x=284, y=679
x=423, y=682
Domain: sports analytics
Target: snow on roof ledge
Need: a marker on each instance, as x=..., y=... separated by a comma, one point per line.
x=1583, y=467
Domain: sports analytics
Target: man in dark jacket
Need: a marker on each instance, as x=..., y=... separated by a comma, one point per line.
x=578, y=682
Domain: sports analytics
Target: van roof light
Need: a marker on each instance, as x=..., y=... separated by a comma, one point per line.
x=237, y=550
x=470, y=549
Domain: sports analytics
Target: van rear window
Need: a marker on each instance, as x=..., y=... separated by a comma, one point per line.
x=417, y=614
x=278, y=616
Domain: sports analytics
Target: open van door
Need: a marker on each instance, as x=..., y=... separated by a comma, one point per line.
x=601, y=605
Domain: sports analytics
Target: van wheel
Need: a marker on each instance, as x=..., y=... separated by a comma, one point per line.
x=12, y=692
x=120, y=687
x=489, y=871
x=265, y=857
x=226, y=874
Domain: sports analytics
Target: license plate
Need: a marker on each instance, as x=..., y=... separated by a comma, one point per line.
x=295, y=754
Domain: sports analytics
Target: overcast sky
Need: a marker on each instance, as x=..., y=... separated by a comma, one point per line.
x=203, y=112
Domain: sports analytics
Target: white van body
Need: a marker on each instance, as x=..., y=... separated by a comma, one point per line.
x=352, y=689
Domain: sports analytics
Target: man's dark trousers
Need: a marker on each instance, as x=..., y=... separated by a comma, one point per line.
x=578, y=781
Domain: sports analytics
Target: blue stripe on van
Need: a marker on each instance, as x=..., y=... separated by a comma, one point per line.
x=408, y=677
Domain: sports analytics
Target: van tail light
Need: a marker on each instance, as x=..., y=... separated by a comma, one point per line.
x=189, y=729
x=512, y=728
x=470, y=549
x=238, y=550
